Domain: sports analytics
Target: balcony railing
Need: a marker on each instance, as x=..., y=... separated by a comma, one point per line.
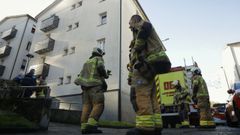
x=2, y=68
x=9, y=34
x=41, y=69
x=50, y=23
x=45, y=46
x=5, y=51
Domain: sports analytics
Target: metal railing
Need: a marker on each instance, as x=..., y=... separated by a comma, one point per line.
x=69, y=105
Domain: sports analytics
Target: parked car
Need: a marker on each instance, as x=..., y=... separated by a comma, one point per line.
x=218, y=113
x=233, y=106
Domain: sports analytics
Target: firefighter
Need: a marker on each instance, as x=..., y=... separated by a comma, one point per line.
x=40, y=91
x=92, y=81
x=182, y=100
x=146, y=55
x=201, y=98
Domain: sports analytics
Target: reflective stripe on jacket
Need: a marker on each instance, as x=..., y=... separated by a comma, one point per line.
x=89, y=76
x=201, y=86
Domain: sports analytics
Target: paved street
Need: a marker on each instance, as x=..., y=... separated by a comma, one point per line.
x=62, y=129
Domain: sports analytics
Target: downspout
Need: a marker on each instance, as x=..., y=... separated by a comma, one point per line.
x=236, y=62
x=120, y=66
x=19, y=49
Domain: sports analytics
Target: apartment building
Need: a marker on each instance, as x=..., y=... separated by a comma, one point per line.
x=66, y=32
x=16, y=33
x=231, y=61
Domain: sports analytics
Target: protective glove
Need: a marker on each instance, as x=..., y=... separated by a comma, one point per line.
x=109, y=72
x=129, y=81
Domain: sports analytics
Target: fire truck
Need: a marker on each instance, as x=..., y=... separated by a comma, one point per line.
x=169, y=111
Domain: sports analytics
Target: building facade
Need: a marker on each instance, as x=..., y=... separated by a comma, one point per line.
x=66, y=33
x=16, y=33
x=231, y=61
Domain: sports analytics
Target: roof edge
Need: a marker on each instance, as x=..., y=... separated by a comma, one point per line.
x=233, y=44
x=141, y=9
x=16, y=16
x=48, y=8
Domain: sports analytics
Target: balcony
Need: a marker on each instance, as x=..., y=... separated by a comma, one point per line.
x=5, y=51
x=41, y=69
x=2, y=68
x=45, y=46
x=9, y=34
x=50, y=23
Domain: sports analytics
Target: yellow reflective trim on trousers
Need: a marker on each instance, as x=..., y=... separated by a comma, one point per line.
x=145, y=121
x=83, y=126
x=211, y=123
x=92, y=122
x=185, y=123
x=158, y=120
x=203, y=123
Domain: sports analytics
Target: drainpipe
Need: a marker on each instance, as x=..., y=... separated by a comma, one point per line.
x=120, y=66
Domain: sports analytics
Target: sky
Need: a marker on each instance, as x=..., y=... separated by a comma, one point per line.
x=195, y=28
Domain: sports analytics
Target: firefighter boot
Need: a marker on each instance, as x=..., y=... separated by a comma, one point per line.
x=136, y=131
x=91, y=127
x=91, y=130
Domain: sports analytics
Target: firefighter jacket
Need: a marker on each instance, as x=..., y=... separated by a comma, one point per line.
x=199, y=86
x=93, y=73
x=146, y=45
x=181, y=96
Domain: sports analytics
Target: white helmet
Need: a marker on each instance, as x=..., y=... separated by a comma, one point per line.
x=175, y=82
x=196, y=70
x=98, y=51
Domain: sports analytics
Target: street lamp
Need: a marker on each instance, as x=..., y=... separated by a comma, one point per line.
x=225, y=77
x=166, y=39
x=30, y=56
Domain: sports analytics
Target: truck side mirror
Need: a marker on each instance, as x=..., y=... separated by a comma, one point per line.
x=231, y=91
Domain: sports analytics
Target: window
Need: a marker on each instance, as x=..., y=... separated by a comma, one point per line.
x=103, y=18
x=69, y=27
x=68, y=81
x=101, y=44
x=24, y=63
x=72, y=50
x=60, y=81
x=28, y=46
x=33, y=30
x=65, y=51
x=76, y=25
x=2, y=61
x=79, y=4
x=73, y=6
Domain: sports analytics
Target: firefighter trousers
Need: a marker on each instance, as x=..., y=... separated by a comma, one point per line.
x=148, y=109
x=93, y=106
x=205, y=111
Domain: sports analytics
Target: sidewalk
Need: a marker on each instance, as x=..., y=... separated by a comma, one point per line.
x=65, y=129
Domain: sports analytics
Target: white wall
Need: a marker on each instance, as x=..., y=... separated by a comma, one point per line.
x=229, y=64
x=15, y=43
x=83, y=38
x=129, y=9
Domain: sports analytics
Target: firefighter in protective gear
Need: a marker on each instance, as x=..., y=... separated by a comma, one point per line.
x=40, y=91
x=146, y=53
x=201, y=98
x=92, y=81
x=182, y=100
